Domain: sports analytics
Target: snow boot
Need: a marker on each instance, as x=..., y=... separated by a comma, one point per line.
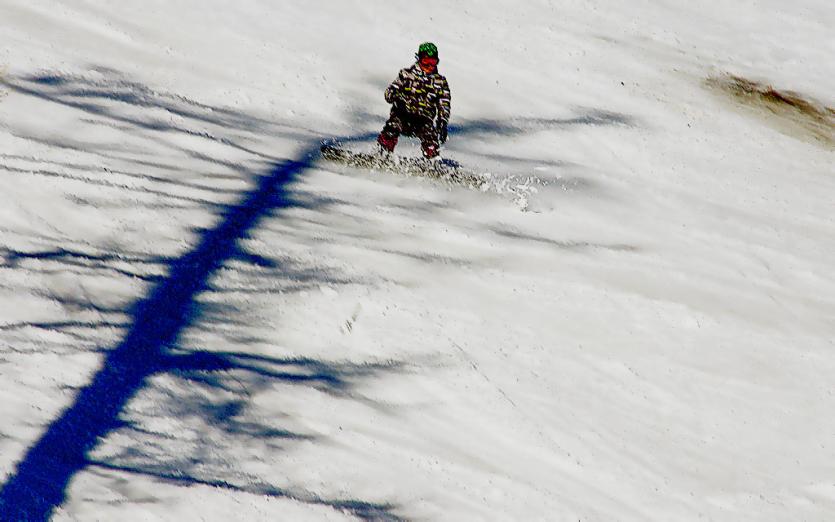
x=387, y=142
x=431, y=151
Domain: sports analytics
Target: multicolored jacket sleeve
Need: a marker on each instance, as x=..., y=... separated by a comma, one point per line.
x=444, y=99
x=394, y=90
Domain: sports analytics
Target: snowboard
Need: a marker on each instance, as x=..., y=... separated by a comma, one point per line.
x=441, y=169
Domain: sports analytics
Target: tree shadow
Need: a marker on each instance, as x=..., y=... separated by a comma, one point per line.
x=151, y=346
x=155, y=324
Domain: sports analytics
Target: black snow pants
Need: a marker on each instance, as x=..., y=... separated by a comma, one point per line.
x=409, y=124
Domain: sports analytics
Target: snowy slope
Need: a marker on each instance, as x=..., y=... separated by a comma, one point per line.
x=199, y=320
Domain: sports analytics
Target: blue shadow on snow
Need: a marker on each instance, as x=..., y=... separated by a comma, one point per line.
x=39, y=484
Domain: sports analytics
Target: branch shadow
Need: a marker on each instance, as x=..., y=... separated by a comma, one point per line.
x=564, y=244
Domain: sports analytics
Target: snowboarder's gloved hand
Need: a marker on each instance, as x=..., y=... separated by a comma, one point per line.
x=442, y=132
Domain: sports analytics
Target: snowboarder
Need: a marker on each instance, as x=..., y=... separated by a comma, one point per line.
x=420, y=101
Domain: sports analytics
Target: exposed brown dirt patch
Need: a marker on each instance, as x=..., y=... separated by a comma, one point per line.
x=788, y=111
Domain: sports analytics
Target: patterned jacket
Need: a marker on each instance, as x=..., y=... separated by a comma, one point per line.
x=420, y=93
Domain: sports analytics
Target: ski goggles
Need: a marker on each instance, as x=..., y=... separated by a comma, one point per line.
x=429, y=60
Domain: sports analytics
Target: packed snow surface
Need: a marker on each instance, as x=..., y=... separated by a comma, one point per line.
x=200, y=319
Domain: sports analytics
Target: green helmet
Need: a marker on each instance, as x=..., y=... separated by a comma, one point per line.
x=428, y=49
